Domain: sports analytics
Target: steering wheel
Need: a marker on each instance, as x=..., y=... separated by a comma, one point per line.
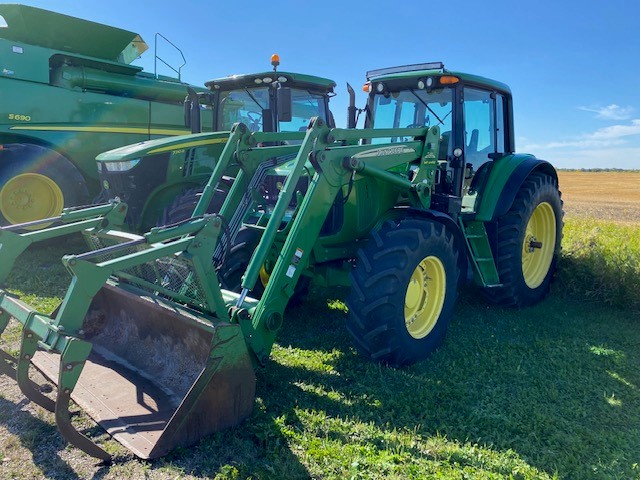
x=411, y=125
x=255, y=118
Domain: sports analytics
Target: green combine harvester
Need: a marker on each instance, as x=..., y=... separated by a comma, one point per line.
x=68, y=92
x=160, y=333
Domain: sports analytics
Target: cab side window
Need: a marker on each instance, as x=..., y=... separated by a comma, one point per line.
x=484, y=125
x=304, y=106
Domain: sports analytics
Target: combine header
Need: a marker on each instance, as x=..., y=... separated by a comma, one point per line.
x=159, y=334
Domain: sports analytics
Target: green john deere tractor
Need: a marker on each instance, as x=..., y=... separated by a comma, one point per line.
x=162, y=180
x=159, y=334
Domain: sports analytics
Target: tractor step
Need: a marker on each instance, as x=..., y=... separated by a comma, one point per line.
x=484, y=266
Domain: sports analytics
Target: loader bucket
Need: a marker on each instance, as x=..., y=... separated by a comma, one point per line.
x=158, y=376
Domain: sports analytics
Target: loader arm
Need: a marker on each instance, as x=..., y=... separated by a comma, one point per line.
x=335, y=161
x=142, y=339
x=72, y=220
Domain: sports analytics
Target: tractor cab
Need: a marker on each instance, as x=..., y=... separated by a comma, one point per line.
x=474, y=115
x=158, y=177
x=268, y=101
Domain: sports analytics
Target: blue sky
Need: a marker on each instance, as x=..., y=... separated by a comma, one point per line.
x=573, y=66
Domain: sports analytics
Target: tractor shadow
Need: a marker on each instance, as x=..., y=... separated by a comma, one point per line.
x=257, y=448
x=548, y=382
x=42, y=439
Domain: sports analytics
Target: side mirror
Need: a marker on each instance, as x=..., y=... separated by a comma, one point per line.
x=285, y=104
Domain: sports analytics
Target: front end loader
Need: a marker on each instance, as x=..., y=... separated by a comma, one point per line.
x=159, y=334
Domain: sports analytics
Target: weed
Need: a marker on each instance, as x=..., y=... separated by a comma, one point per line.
x=601, y=262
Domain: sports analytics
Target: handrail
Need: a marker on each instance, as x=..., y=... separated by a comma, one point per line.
x=157, y=57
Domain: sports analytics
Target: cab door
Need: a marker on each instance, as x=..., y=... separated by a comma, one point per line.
x=484, y=137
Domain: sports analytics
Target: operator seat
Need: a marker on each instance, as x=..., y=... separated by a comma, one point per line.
x=445, y=137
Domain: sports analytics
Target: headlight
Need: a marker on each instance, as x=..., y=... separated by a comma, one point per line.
x=121, y=166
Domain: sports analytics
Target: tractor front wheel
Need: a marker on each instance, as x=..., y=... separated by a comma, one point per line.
x=403, y=292
x=528, y=242
x=235, y=264
x=185, y=203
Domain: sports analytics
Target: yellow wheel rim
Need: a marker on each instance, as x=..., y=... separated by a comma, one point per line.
x=538, y=245
x=425, y=297
x=264, y=276
x=29, y=197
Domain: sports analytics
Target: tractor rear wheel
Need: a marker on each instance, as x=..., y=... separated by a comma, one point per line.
x=528, y=243
x=403, y=292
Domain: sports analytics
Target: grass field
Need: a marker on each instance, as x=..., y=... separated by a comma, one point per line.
x=550, y=391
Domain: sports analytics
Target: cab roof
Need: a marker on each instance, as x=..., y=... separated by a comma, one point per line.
x=265, y=78
x=415, y=71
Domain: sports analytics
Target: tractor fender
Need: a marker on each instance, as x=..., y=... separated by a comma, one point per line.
x=401, y=213
x=505, y=179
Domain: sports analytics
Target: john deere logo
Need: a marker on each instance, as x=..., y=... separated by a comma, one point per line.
x=105, y=185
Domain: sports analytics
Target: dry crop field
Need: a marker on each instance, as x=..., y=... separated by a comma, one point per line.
x=612, y=196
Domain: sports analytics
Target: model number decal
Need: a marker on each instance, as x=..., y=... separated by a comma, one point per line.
x=17, y=116
x=384, y=151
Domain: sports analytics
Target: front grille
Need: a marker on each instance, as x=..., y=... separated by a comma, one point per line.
x=135, y=186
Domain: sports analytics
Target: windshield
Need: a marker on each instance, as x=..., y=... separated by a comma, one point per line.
x=305, y=106
x=413, y=108
x=249, y=105
x=244, y=106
